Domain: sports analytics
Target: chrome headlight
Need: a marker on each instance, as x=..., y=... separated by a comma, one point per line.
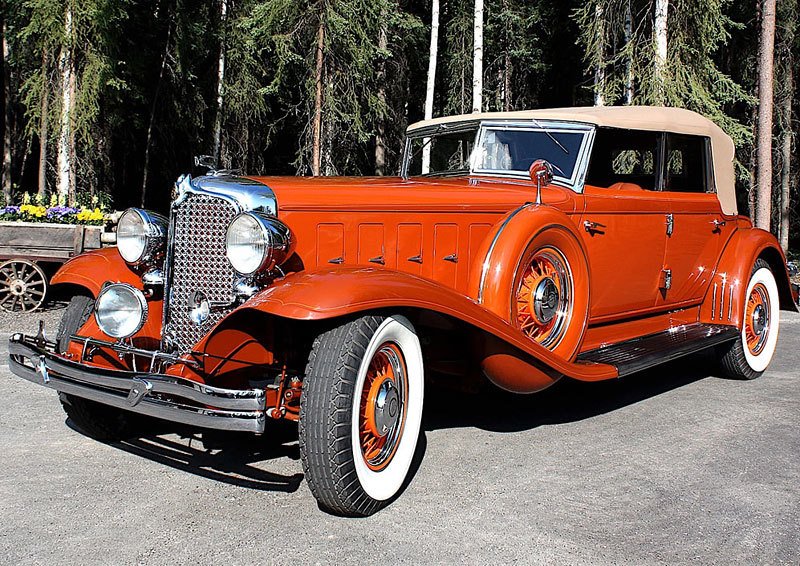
x=257, y=242
x=141, y=236
x=120, y=310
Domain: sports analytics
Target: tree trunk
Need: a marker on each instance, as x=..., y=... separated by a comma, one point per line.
x=786, y=169
x=151, y=122
x=508, y=68
x=66, y=69
x=73, y=170
x=629, y=60
x=660, y=30
x=764, y=139
x=380, y=135
x=477, y=58
x=316, y=142
x=43, y=129
x=788, y=41
x=223, y=16
x=431, y=84
x=600, y=69
x=6, y=117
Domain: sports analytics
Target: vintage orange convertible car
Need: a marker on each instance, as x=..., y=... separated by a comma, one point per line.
x=521, y=247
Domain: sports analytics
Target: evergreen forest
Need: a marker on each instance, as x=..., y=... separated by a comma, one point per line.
x=111, y=100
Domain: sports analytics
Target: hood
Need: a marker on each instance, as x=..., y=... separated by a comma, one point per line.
x=414, y=194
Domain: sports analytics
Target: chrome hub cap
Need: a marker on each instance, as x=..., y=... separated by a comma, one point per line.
x=759, y=319
x=386, y=409
x=545, y=300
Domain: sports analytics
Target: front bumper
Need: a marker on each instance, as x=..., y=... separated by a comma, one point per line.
x=157, y=395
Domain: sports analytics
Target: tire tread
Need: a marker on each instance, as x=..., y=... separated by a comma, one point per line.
x=325, y=438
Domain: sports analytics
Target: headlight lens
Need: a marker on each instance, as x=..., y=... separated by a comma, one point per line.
x=120, y=310
x=257, y=242
x=141, y=236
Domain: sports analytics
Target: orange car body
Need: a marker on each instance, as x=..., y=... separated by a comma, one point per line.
x=448, y=251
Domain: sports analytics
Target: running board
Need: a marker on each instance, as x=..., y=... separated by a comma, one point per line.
x=648, y=351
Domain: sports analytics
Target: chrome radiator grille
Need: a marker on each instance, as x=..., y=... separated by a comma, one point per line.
x=198, y=264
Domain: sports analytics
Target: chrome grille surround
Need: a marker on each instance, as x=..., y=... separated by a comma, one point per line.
x=198, y=264
x=196, y=261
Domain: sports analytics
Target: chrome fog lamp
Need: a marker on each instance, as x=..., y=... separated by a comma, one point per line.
x=256, y=242
x=141, y=236
x=120, y=310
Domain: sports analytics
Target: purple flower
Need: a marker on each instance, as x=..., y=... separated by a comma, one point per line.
x=59, y=212
x=10, y=210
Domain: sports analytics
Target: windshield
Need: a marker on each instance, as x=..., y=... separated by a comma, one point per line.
x=513, y=150
x=446, y=153
x=497, y=149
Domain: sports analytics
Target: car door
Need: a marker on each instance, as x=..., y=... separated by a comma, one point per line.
x=699, y=228
x=624, y=223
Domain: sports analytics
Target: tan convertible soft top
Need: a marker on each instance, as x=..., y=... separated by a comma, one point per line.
x=651, y=118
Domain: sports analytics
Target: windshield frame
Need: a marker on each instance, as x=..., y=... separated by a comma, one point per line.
x=574, y=182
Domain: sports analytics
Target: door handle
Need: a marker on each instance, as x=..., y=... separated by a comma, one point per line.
x=590, y=226
x=718, y=224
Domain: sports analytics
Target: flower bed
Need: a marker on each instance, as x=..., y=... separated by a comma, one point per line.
x=57, y=214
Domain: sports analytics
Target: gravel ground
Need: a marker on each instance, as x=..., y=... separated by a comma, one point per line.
x=672, y=465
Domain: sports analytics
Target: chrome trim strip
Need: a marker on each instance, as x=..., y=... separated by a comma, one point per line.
x=485, y=267
x=714, y=301
x=211, y=407
x=730, y=303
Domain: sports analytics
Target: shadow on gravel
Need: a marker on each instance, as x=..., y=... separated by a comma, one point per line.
x=225, y=457
x=566, y=401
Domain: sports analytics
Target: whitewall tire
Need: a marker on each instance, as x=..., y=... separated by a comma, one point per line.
x=360, y=413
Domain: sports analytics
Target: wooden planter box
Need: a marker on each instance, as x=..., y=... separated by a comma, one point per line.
x=44, y=241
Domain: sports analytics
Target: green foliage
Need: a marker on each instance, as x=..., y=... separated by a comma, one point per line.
x=692, y=76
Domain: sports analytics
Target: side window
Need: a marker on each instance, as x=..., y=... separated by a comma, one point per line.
x=628, y=157
x=687, y=164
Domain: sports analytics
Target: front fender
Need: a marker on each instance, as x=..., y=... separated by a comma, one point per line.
x=91, y=269
x=511, y=360
x=725, y=299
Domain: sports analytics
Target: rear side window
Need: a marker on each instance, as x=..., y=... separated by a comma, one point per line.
x=687, y=164
x=625, y=156
x=653, y=161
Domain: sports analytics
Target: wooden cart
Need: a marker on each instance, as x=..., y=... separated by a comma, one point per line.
x=31, y=252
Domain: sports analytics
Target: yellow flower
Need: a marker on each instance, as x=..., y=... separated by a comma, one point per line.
x=33, y=210
x=88, y=215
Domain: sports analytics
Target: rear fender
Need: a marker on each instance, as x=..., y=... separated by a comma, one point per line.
x=725, y=298
x=92, y=269
x=509, y=359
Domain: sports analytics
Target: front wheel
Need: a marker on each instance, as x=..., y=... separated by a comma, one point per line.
x=360, y=413
x=749, y=355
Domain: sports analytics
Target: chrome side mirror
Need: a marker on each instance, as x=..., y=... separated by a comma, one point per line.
x=541, y=173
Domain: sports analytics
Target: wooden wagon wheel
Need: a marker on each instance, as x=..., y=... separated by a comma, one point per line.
x=23, y=286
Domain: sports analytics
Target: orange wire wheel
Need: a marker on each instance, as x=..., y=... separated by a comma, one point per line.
x=757, y=319
x=383, y=406
x=543, y=301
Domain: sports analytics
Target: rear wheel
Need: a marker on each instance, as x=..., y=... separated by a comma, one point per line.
x=749, y=355
x=95, y=420
x=360, y=413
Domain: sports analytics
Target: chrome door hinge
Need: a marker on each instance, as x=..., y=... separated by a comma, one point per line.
x=670, y=224
x=665, y=281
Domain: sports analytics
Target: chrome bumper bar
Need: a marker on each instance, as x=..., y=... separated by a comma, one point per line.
x=157, y=395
